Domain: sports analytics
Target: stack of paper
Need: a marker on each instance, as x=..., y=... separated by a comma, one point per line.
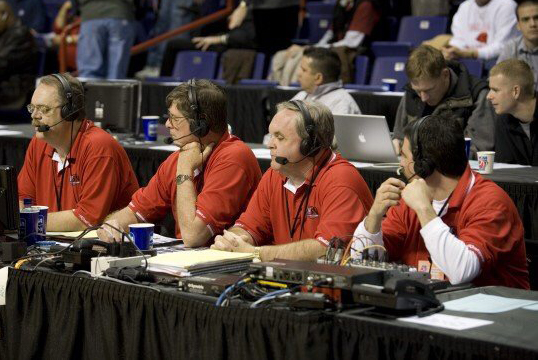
x=196, y=262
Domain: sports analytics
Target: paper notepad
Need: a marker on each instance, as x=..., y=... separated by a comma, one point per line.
x=192, y=258
x=73, y=234
x=190, y=262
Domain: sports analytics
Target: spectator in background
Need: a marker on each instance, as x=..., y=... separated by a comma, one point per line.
x=18, y=60
x=514, y=100
x=352, y=22
x=238, y=37
x=275, y=22
x=437, y=86
x=525, y=47
x=107, y=33
x=172, y=14
x=319, y=76
x=480, y=28
x=62, y=20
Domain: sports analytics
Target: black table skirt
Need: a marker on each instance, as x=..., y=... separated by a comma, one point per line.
x=54, y=316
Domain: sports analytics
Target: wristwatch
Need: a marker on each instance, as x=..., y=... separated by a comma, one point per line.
x=180, y=179
x=257, y=253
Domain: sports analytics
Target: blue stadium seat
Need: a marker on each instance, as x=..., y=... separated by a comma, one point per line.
x=474, y=66
x=195, y=64
x=391, y=68
x=361, y=69
x=319, y=8
x=416, y=29
x=263, y=82
x=413, y=31
x=317, y=25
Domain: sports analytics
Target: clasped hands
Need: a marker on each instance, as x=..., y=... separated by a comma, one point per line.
x=230, y=241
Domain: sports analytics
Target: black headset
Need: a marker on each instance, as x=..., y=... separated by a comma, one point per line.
x=309, y=146
x=198, y=126
x=423, y=165
x=68, y=111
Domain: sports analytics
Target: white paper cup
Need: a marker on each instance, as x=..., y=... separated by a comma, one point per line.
x=485, y=161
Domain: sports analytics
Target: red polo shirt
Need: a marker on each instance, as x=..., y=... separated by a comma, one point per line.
x=230, y=177
x=340, y=199
x=481, y=215
x=98, y=179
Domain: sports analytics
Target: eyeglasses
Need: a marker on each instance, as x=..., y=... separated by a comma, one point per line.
x=42, y=109
x=173, y=118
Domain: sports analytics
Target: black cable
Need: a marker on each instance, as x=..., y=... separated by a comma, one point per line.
x=304, y=200
x=80, y=236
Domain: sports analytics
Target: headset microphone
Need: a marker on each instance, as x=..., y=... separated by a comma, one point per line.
x=170, y=140
x=284, y=160
x=281, y=160
x=45, y=128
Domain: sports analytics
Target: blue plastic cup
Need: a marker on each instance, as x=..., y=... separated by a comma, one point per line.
x=142, y=234
x=389, y=84
x=41, y=219
x=468, y=147
x=149, y=124
x=28, y=226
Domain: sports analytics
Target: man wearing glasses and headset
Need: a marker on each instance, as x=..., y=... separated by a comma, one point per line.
x=76, y=169
x=207, y=183
x=447, y=220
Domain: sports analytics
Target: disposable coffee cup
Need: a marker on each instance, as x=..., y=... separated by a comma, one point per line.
x=389, y=84
x=28, y=226
x=142, y=234
x=149, y=125
x=485, y=161
x=468, y=147
x=41, y=220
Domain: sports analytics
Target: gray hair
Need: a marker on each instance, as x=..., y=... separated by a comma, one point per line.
x=322, y=118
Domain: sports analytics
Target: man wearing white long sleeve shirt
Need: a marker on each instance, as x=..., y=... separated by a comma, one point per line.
x=449, y=220
x=480, y=28
x=319, y=75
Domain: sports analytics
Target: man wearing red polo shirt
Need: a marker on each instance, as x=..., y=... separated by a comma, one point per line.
x=208, y=182
x=449, y=220
x=309, y=195
x=76, y=169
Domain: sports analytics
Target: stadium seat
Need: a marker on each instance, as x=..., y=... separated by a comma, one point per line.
x=412, y=32
x=391, y=68
x=319, y=8
x=195, y=64
x=361, y=69
x=474, y=66
x=317, y=25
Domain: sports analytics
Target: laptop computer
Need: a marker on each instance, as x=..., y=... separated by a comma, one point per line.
x=364, y=138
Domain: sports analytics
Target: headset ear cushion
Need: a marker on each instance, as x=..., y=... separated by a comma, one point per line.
x=200, y=128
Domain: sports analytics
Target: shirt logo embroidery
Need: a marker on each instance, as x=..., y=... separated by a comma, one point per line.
x=74, y=180
x=311, y=212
